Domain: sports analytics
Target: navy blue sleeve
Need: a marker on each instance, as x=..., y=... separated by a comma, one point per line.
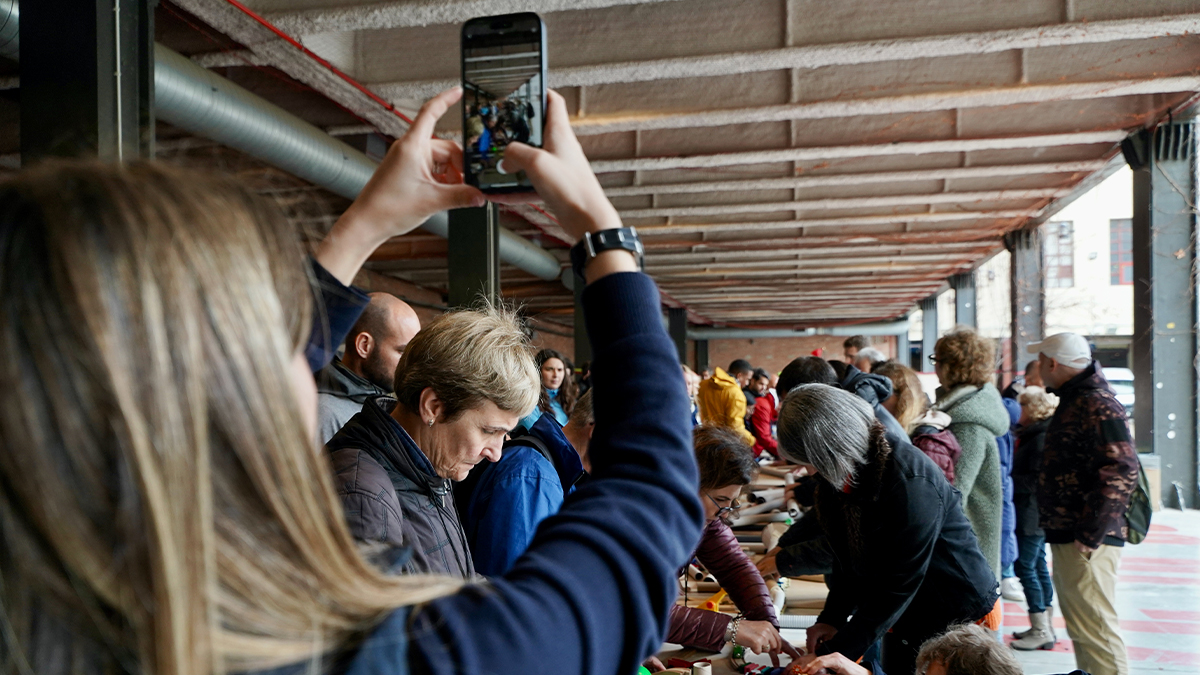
x=593, y=591
x=336, y=307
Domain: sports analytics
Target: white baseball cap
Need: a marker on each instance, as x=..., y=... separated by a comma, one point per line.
x=1069, y=349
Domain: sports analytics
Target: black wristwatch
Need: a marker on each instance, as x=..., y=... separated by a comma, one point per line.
x=594, y=243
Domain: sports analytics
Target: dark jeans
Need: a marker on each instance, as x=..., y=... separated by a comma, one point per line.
x=1031, y=570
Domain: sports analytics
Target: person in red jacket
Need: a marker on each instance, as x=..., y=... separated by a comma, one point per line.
x=764, y=413
x=726, y=465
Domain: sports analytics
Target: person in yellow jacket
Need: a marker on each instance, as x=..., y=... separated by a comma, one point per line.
x=721, y=400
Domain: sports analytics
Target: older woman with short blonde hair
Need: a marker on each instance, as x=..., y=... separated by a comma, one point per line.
x=463, y=383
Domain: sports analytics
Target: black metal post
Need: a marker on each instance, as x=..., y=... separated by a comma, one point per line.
x=929, y=331
x=677, y=327
x=87, y=79
x=1027, y=293
x=964, y=298
x=701, y=356
x=583, y=345
x=1164, y=302
x=474, y=256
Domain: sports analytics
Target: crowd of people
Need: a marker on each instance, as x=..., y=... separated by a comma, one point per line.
x=196, y=482
x=1016, y=471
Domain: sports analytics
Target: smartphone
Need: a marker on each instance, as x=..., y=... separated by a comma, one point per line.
x=504, y=96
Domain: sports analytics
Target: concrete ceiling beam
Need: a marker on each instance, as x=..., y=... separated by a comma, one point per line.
x=849, y=203
x=230, y=59
x=801, y=255
x=843, y=179
x=886, y=105
x=842, y=54
x=848, y=221
x=866, y=150
x=384, y=15
x=832, y=251
x=276, y=53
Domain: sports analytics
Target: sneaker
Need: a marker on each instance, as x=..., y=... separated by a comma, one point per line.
x=1010, y=588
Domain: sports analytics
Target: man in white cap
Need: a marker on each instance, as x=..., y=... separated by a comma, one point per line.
x=1089, y=471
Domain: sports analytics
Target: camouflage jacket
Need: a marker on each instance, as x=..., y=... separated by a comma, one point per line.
x=1089, y=467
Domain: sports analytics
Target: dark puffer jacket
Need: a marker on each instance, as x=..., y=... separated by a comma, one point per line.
x=1089, y=467
x=875, y=389
x=721, y=555
x=391, y=493
x=1027, y=465
x=905, y=557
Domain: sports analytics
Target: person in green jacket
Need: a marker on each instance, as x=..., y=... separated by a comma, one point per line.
x=965, y=364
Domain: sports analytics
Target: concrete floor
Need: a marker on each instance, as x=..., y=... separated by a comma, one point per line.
x=1158, y=601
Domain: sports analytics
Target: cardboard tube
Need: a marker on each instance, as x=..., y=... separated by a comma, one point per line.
x=764, y=496
x=763, y=518
x=766, y=507
x=793, y=508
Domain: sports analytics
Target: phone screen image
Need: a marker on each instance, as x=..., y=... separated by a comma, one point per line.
x=503, y=96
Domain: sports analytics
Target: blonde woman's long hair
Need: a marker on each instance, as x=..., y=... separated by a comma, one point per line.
x=162, y=509
x=911, y=401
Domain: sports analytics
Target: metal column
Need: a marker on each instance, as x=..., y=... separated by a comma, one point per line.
x=964, y=298
x=1164, y=303
x=1027, y=293
x=701, y=356
x=903, y=352
x=87, y=79
x=677, y=327
x=929, y=331
x=583, y=344
x=474, y=256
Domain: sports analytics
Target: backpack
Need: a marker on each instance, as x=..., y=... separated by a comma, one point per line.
x=1139, y=511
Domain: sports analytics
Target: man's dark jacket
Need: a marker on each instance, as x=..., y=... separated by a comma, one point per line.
x=1089, y=466
x=391, y=493
x=905, y=557
x=875, y=389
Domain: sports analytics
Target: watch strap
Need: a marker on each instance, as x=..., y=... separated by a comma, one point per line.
x=593, y=244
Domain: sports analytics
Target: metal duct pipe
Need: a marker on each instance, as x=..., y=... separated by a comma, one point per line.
x=204, y=103
x=208, y=105
x=10, y=33
x=881, y=328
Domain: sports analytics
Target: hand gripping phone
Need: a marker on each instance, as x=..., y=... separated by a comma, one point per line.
x=504, y=96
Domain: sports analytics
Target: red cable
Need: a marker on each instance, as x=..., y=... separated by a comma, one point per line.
x=308, y=52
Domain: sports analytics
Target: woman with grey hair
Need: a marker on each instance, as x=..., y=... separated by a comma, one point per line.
x=906, y=563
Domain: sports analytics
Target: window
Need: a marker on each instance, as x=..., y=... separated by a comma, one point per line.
x=1059, y=248
x=1120, y=236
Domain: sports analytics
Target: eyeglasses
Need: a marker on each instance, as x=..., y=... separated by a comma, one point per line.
x=932, y=359
x=732, y=509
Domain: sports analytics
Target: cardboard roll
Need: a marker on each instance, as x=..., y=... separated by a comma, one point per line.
x=802, y=594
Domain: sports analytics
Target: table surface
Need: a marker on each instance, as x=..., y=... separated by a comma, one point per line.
x=720, y=661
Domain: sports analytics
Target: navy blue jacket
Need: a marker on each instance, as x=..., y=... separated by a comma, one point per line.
x=875, y=389
x=336, y=308
x=1008, y=521
x=593, y=591
x=513, y=496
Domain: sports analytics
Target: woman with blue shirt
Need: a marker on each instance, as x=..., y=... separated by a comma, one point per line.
x=558, y=397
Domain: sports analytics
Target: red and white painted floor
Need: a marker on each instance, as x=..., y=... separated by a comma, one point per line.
x=1158, y=601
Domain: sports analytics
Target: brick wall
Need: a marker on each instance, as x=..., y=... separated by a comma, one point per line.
x=773, y=354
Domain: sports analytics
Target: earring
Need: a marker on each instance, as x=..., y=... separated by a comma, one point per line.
x=430, y=424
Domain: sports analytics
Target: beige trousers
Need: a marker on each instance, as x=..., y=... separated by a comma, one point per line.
x=1087, y=593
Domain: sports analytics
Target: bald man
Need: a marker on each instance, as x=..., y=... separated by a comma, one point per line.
x=368, y=367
